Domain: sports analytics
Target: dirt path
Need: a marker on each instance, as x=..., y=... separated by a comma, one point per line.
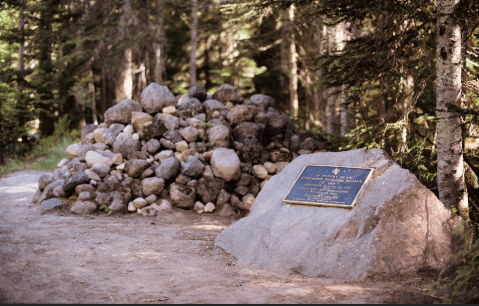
x=64, y=258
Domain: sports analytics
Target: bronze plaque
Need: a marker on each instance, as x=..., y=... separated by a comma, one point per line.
x=328, y=186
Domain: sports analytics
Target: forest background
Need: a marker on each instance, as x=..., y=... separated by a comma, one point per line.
x=362, y=74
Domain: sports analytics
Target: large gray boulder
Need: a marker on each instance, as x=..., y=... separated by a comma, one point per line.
x=227, y=93
x=226, y=164
x=198, y=92
x=155, y=97
x=397, y=226
x=121, y=113
x=261, y=101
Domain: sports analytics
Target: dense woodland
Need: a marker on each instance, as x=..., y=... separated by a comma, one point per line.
x=401, y=75
x=360, y=73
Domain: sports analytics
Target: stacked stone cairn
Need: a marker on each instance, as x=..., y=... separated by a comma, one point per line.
x=194, y=151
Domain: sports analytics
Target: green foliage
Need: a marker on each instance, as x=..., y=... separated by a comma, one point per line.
x=106, y=209
x=465, y=286
x=54, y=146
x=11, y=166
x=54, y=156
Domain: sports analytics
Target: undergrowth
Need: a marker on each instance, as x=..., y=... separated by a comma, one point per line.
x=464, y=288
x=50, y=149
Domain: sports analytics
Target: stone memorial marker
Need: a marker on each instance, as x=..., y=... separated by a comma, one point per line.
x=328, y=186
x=397, y=225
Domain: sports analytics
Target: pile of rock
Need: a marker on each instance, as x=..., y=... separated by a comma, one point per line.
x=194, y=151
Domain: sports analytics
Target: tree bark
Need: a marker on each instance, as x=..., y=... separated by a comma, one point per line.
x=194, y=36
x=91, y=89
x=160, y=54
x=450, y=165
x=293, y=64
x=21, y=51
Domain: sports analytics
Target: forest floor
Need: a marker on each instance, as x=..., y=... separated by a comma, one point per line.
x=60, y=257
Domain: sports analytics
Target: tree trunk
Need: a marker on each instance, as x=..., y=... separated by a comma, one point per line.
x=21, y=67
x=91, y=89
x=128, y=74
x=160, y=53
x=284, y=52
x=450, y=165
x=194, y=36
x=293, y=64
x=103, y=91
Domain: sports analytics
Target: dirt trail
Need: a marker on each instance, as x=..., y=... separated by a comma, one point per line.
x=64, y=258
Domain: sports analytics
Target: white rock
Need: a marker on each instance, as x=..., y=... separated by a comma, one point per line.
x=248, y=199
x=179, y=156
x=93, y=157
x=63, y=162
x=181, y=146
x=73, y=150
x=165, y=207
x=129, y=129
x=162, y=155
x=170, y=110
x=226, y=164
x=199, y=206
x=139, y=211
x=131, y=207
x=262, y=184
x=270, y=167
x=139, y=202
x=121, y=167
x=98, y=134
x=92, y=175
x=209, y=207
x=135, y=136
x=260, y=172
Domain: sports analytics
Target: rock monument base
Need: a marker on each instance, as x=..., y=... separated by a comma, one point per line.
x=397, y=226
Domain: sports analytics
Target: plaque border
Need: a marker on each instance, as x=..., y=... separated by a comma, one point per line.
x=327, y=204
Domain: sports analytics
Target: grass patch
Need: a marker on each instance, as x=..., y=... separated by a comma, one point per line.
x=54, y=156
x=11, y=166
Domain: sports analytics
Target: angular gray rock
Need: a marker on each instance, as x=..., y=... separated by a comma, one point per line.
x=152, y=186
x=226, y=164
x=83, y=208
x=139, y=120
x=182, y=196
x=87, y=129
x=212, y=105
x=121, y=112
x=173, y=136
x=245, y=129
x=189, y=133
x=169, y=121
x=134, y=167
x=192, y=167
x=253, y=151
x=50, y=204
x=153, y=146
x=261, y=101
x=198, y=92
x=101, y=169
x=154, y=97
x=219, y=136
x=227, y=93
x=169, y=168
x=72, y=150
x=396, y=227
x=77, y=178
x=126, y=147
x=241, y=113
x=209, y=188
x=44, y=180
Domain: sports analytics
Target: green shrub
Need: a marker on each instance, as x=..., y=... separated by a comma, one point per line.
x=11, y=166
x=465, y=286
x=54, y=156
